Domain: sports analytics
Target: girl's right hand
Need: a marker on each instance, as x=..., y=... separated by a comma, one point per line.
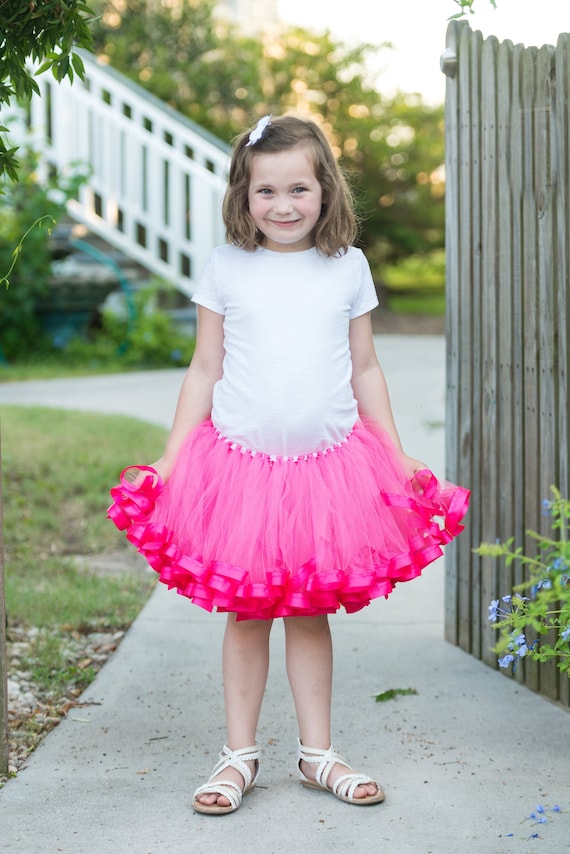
x=163, y=468
x=136, y=475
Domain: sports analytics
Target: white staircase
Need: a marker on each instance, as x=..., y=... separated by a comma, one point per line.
x=156, y=179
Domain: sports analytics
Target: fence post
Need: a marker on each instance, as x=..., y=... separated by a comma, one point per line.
x=3, y=656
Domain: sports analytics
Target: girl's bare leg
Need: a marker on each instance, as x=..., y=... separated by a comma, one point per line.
x=309, y=659
x=245, y=664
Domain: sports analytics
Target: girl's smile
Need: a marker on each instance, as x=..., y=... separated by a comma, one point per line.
x=285, y=199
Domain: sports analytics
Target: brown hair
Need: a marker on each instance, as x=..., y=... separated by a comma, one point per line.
x=336, y=228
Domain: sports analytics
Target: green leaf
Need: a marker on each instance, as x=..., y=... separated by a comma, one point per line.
x=392, y=693
x=78, y=65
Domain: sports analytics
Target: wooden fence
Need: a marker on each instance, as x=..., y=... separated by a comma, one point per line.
x=508, y=320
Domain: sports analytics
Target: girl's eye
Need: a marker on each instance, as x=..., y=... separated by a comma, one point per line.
x=299, y=189
x=265, y=191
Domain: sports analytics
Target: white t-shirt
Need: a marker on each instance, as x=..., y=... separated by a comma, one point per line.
x=287, y=369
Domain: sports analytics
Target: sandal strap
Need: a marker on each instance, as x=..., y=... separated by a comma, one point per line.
x=346, y=785
x=227, y=788
x=237, y=759
x=326, y=760
x=232, y=759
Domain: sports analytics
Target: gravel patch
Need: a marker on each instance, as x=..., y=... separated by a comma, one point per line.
x=33, y=710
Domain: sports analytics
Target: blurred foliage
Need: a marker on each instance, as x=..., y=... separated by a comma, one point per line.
x=418, y=272
x=29, y=209
x=416, y=284
x=392, y=148
x=150, y=339
x=45, y=31
x=466, y=6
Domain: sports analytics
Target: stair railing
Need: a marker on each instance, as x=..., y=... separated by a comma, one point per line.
x=156, y=179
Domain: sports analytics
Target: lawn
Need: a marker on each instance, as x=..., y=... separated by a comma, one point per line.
x=57, y=468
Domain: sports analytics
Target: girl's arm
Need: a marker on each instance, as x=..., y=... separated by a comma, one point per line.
x=369, y=385
x=195, y=398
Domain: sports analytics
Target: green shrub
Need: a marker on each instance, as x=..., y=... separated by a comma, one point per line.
x=146, y=338
x=416, y=285
x=417, y=273
x=28, y=208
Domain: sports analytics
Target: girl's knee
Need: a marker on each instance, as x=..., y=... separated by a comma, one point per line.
x=248, y=627
x=307, y=625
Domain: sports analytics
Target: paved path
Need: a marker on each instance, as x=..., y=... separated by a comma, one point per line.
x=464, y=762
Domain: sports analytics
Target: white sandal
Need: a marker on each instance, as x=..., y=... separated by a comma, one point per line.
x=227, y=788
x=346, y=784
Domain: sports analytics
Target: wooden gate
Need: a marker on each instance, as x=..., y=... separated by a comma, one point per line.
x=508, y=317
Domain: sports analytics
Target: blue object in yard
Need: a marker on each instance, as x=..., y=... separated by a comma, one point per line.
x=124, y=284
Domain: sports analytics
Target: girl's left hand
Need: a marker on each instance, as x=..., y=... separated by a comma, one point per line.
x=412, y=466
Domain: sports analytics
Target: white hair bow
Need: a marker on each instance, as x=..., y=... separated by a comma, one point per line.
x=258, y=131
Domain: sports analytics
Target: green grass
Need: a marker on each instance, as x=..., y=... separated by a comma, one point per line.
x=53, y=368
x=420, y=303
x=50, y=668
x=57, y=468
x=46, y=371
x=416, y=285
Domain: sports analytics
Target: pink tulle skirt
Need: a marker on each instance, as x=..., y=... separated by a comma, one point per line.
x=264, y=537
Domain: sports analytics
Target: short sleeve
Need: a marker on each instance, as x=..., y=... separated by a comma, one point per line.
x=365, y=298
x=207, y=291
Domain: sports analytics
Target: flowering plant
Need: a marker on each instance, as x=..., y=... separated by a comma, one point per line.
x=546, y=610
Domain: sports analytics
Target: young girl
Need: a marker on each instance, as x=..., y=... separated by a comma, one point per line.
x=283, y=489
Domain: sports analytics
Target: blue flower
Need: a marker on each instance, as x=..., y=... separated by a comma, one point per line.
x=506, y=660
x=565, y=635
x=494, y=610
x=518, y=645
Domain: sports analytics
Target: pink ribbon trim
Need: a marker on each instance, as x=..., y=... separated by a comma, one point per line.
x=306, y=591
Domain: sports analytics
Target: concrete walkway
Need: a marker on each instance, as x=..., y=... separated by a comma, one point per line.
x=464, y=762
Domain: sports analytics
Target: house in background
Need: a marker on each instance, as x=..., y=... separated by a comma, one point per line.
x=250, y=15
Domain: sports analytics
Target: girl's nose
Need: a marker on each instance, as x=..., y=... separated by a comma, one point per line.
x=283, y=204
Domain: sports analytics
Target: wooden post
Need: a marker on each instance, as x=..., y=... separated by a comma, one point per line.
x=3, y=656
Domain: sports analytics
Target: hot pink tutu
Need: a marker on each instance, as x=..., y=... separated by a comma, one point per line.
x=265, y=537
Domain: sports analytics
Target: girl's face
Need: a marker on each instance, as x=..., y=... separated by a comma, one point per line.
x=285, y=199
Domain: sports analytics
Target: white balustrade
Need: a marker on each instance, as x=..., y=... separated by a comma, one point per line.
x=156, y=179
